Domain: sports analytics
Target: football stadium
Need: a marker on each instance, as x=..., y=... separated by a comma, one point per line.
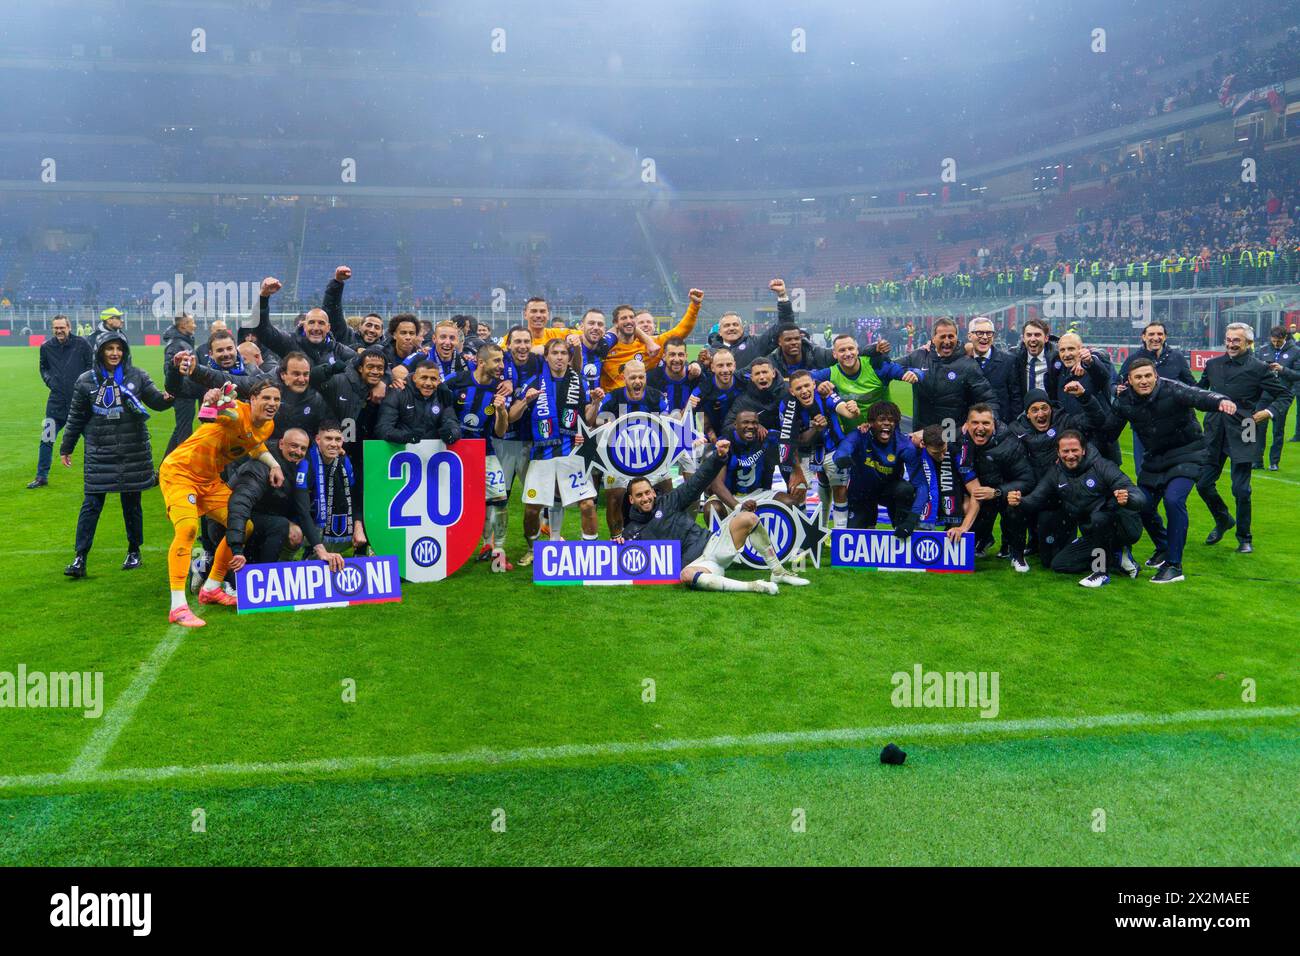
x=911, y=386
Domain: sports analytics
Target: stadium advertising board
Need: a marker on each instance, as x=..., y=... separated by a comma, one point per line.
x=923, y=551
x=311, y=585
x=607, y=562
x=425, y=504
x=1201, y=356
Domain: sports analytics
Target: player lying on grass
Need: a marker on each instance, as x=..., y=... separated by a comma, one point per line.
x=705, y=558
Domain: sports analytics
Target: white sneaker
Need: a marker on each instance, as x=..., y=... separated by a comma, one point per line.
x=200, y=562
x=785, y=577
x=763, y=587
x=1127, y=564
x=1020, y=564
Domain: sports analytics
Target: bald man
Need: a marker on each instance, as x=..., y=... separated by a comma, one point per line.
x=1092, y=370
x=314, y=338
x=264, y=519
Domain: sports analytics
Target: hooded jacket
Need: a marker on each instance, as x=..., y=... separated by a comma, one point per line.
x=118, y=454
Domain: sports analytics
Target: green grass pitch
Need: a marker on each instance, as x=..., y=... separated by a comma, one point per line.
x=498, y=722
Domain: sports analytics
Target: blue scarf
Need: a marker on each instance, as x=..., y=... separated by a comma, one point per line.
x=112, y=395
x=236, y=369
x=336, y=527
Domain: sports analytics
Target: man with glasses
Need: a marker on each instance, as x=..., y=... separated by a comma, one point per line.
x=995, y=363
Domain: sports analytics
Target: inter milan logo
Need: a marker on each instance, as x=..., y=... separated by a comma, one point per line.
x=349, y=580
x=1091, y=482
x=790, y=530
x=633, y=560
x=426, y=552
x=927, y=551
x=635, y=445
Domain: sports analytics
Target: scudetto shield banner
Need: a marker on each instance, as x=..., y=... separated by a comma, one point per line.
x=424, y=504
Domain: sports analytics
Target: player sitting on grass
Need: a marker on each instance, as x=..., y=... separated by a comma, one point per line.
x=654, y=517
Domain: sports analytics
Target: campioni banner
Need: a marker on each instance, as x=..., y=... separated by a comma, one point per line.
x=425, y=504
x=310, y=585
x=607, y=562
x=923, y=551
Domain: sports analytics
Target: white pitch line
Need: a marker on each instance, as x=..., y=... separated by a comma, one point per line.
x=614, y=749
x=1285, y=481
x=39, y=551
x=119, y=715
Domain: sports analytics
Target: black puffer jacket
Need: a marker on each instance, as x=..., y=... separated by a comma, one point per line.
x=174, y=342
x=118, y=454
x=948, y=390
x=1173, y=445
x=1086, y=489
x=671, y=519
x=1041, y=446
x=1002, y=462
x=251, y=493
x=406, y=416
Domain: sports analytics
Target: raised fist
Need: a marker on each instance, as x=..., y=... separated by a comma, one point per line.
x=343, y=273
x=1073, y=388
x=777, y=286
x=270, y=286
x=697, y=296
x=723, y=447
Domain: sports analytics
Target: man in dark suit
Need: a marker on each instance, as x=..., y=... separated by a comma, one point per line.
x=1259, y=395
x=1035, y=365
x=995, y=363
x=64, y=357
x=1281, y=354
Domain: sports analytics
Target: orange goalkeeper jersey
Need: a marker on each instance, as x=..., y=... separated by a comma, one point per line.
x=620, y=353
x=214, y=445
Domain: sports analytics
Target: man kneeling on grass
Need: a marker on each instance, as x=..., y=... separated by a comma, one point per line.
x=652, y=516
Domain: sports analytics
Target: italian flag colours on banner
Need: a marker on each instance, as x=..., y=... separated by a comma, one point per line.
x=424, y=504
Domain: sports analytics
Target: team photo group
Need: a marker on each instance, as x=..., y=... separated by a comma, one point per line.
x=1018, y=446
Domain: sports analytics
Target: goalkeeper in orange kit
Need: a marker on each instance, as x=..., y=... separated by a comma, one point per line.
x=191, y=485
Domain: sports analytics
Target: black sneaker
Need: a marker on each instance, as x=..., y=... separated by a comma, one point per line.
x=77, y=569
x=1004, y=552
x=38, y=482
x=1220, y=529
x=1274, y=468
x=982, y=547
x=1169, y=574
x=132, y=561
x=1245, y=548
x=1156, y=560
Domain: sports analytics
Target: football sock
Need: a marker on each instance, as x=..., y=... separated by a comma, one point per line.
x=760, y=537
x=718, y=582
